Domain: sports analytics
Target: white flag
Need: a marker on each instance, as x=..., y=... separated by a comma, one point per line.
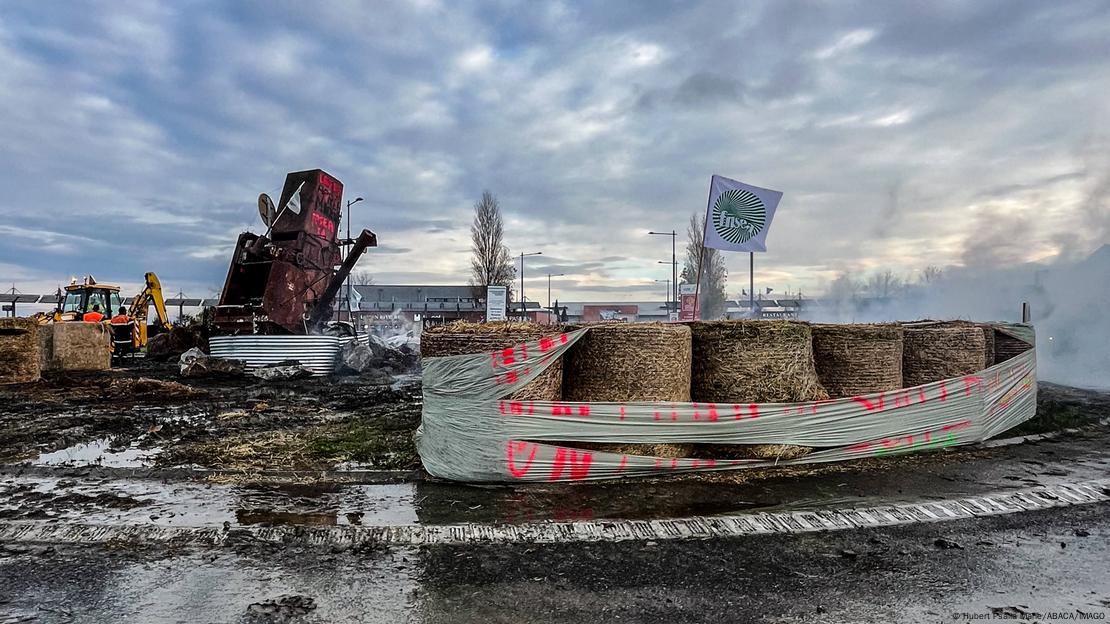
x=294, y=203
x=738, y=215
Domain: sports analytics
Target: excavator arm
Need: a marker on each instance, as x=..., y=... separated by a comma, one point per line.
x=140, y=307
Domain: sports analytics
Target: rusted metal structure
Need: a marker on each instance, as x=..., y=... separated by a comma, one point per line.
x=284, y=282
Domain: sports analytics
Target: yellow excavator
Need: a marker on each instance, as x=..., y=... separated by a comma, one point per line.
x=81, y=298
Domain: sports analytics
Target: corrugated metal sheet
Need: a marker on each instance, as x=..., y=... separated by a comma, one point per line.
x=316, y=353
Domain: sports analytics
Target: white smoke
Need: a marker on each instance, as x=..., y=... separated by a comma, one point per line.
x=1070, y=306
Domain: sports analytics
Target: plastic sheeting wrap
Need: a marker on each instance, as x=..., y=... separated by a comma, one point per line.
x=471, y=431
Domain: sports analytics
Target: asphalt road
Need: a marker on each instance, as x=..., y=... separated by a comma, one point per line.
x=1044, y=562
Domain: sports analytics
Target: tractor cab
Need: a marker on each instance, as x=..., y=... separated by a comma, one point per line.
x=81, y=298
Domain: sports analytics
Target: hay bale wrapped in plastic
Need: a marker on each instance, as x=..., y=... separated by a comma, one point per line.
x=19, y=351
x=623, y=362
x=753, y=362
x=462, y=338
x=630, y=362
x=939, y=352
x=858, y=359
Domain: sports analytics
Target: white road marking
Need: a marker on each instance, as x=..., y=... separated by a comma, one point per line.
x=762, y=523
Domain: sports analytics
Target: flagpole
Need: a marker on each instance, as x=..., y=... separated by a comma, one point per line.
x=751, y=283
x=701, y=253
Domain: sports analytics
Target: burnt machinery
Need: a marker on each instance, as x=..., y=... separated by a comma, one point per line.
x=284, y=281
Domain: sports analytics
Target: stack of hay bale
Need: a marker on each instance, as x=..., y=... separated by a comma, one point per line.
x=625, y=362
x=754, y=362
x=19, y=351
x=462, y=338
x=858, y=359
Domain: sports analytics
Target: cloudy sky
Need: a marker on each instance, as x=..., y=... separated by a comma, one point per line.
x=137, y=137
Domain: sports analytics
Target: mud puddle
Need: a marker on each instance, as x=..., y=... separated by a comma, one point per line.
x=99, y=453
x=196, y=504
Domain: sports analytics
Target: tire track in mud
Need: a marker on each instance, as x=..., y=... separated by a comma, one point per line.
x=702, y=527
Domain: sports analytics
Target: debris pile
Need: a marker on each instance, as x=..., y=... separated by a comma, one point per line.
x=194, y=363
x=171, y=344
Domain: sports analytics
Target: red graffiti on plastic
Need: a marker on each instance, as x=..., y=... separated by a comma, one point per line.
x=577, y=461
x=800, y=410
x=561, y=409
x=622, y=412
x=943, y=391
x=907, y=442
x=738, y=411
x=583, y=410
x=624, y=462
x=513, y=450
x=870, y=406
x=710, y=415
x=510, y=377
x=970, y=381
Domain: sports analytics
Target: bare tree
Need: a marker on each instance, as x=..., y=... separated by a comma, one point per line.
x=885, y=284
x=490, y=264
x=714, y=275
x=363, y=278
x=931, y=274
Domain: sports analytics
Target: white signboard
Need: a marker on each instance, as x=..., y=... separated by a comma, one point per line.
x=496, y=300
x=739, y=215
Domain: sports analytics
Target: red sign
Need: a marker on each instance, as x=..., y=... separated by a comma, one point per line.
x=686, y=307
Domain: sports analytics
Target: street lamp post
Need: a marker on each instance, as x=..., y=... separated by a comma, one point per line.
x=674, y=266
x=347, y=250
x=549, y=276
x=523, y=309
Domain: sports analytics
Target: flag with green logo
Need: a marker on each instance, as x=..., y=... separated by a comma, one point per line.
x=739, y=215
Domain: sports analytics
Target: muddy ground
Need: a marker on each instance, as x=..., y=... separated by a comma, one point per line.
x=149, y=416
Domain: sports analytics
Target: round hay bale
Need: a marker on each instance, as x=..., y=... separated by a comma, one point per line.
x=753, y=362
x=621, y=362
x=462, y=338
x=19, y=351
x=1006, y=347
x=858, y=359
x=987, y=328
x=933, y=353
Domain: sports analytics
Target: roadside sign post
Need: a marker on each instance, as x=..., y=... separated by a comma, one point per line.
x=496, y=298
